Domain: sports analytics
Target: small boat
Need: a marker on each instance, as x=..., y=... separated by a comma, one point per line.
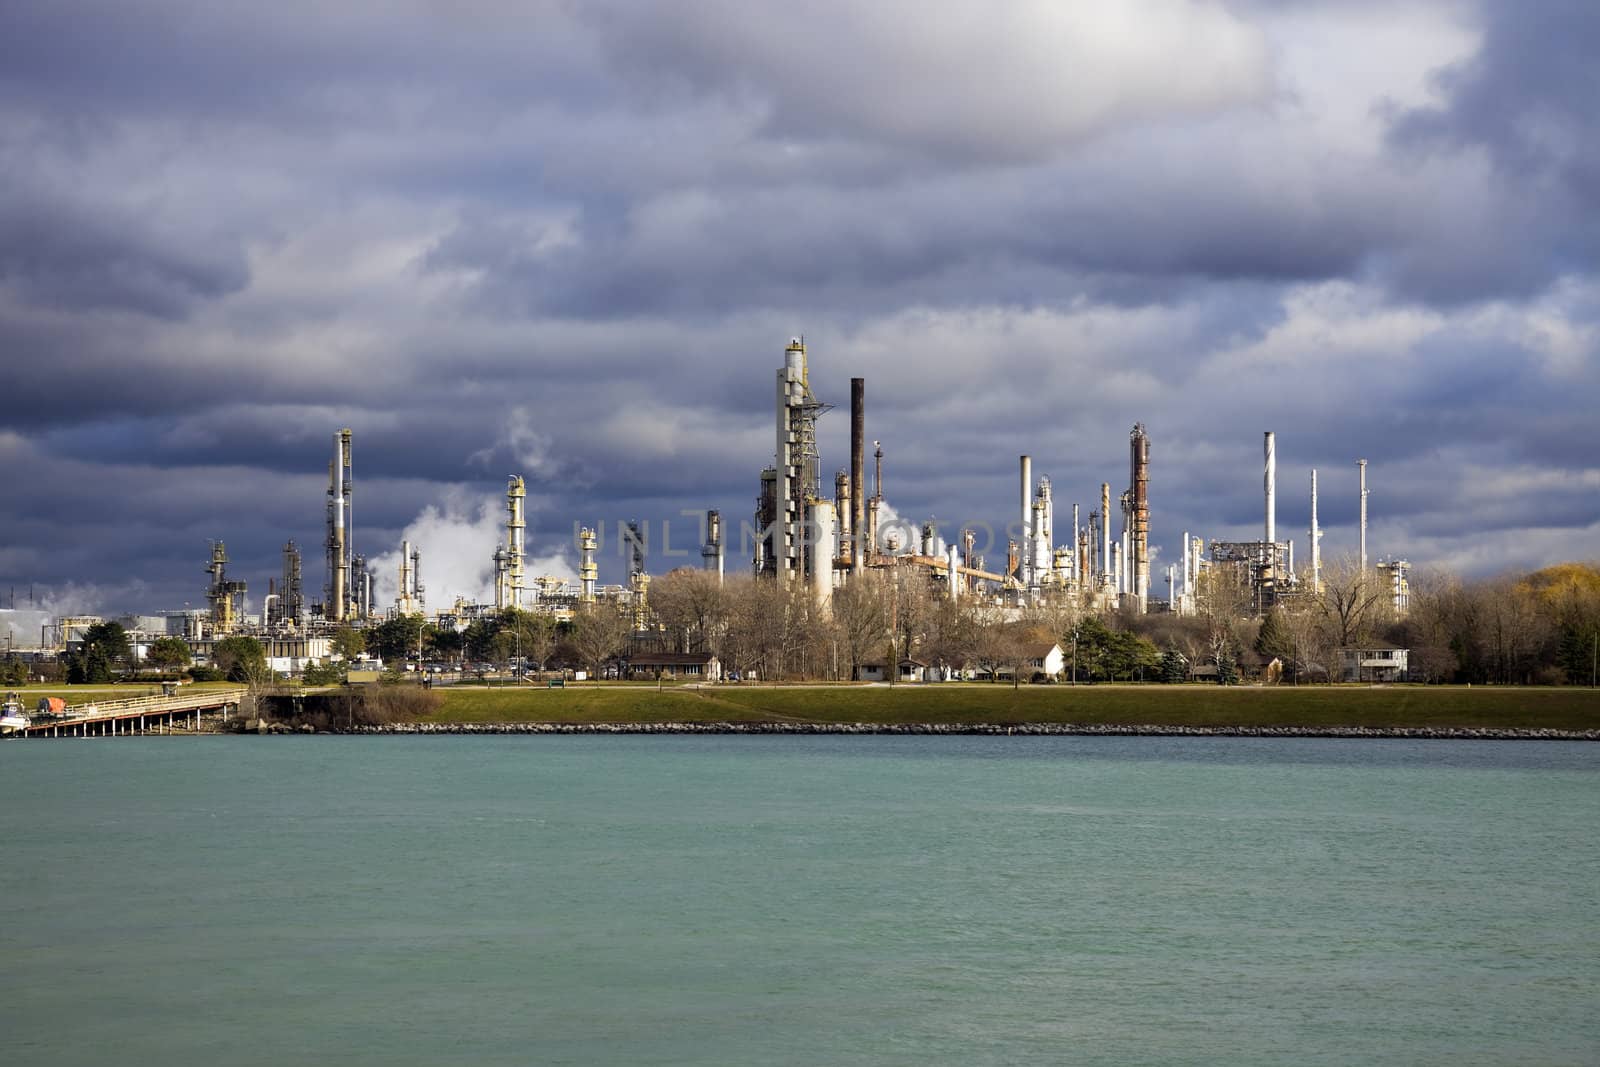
x=13, y=717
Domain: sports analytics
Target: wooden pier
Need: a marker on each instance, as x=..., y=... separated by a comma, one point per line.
x=138, y=715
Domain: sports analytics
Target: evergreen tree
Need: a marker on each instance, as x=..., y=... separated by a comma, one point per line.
x=331, y=672
x=349, y=642
x=1227, y=670
x=397, y=638
x=1576, y=653
x=242, y=658
x=1174, y=668
x=168, y=652
x=1274, y=639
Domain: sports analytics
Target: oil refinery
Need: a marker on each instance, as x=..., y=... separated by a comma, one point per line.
x=1096, y=557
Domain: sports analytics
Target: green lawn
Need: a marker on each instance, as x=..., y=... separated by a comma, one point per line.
x=1189, y=705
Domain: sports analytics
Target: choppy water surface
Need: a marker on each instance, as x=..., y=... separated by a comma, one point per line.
x=806, y=900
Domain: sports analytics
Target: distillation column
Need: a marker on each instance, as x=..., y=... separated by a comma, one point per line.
x=1043, y=537
x=516, y=529
x=798, y=480
x=588, y=572
x=823, y=549
x=876, y=503
x=1139, y=462
x=416, y=579
x=711, y=554
x=291, y=598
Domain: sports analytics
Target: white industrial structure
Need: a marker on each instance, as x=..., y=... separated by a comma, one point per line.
x=509, y=580
x=341, y=489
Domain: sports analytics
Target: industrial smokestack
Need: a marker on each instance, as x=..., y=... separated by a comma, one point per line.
x=1269, y=482
x=1361, y=465
x=1316, y=538
x=858, y=474
x=339, y=531
x=1077, y=546
x=1105, y=533
x=1181, y=605
x=1024, y=573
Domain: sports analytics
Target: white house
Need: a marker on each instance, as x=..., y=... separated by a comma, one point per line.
x=1385, y=664
x=911, y=670
x=1046, y=658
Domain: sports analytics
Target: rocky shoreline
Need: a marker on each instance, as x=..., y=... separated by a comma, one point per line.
x=1432, y=733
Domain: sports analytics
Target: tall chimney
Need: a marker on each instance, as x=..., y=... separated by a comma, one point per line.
x=1316, y=538
x=1361, y=465
x=1077, y=548
x=1105, y=532
x=337, y=560
x=1269, y=482
x=858, y=474
x=1187, y=588
x=1025, y=569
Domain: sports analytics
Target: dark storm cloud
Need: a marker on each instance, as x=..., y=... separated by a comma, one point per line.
x=83, y=257
x=1526, y=99
x=570, y=241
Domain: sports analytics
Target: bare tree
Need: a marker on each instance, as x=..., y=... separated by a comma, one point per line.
x=1352, y=602
x=690, y=604
x=911, y=606
x=1515, y=630
x=1224, y=591
x=951, y=638
x=538, y=636
x=860, y=619
x=753, y=640
x=599, y=634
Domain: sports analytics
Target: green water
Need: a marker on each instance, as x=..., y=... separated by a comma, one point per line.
x=799, y=900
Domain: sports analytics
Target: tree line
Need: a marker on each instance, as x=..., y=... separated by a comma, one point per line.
x=1541, y=627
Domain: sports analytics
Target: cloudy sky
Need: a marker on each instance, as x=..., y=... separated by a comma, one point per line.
x=571, y=240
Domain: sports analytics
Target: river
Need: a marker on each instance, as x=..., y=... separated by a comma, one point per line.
x=799, y=900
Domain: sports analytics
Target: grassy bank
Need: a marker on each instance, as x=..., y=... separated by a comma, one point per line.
x=1396, y=706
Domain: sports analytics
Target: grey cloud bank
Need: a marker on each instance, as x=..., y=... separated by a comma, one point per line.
x=570, y=241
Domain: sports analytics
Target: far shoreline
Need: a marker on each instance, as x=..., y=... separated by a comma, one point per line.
x=932, y=729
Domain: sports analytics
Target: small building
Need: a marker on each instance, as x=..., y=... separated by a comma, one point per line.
x=1047, y=659
x=910, y=670
x=694, y=666
x=1382, y=663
